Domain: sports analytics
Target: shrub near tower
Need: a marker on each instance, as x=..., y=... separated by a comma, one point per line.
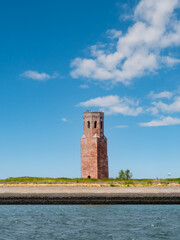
x=94, y=159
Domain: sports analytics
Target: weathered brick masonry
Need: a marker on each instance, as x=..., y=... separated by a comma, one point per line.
x=94, y=159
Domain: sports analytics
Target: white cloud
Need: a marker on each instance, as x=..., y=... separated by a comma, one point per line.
x=84, y=86
x=113, y=33
x=152, y=110
x=170, y=61
x=101, y=101
x=168, y=108
x=114, y=105
x=64, y=120
x=164, y=94
x=164, y=121
x=137, y=52
x=37, y=76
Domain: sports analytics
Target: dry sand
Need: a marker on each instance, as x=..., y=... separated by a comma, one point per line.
x=86, y=190
x=86, y=195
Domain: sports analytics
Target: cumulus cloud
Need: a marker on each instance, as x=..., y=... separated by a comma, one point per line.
x=114, y=105
x=164, y=121
x=137, y=52
x=37, y=76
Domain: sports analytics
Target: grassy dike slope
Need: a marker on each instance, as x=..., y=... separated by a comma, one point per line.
x=35, y=181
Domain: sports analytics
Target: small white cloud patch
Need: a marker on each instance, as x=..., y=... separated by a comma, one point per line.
x=64, y=120
x=173, y=107
x=84, y=86
x=122, y=126
x=37, y=76
x=164, y=121
x=164, y=94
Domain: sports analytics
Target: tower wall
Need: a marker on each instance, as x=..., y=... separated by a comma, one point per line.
x=102, y=158
x=94, y=160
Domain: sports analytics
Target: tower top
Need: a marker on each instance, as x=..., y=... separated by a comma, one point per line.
x=93, y=124
x=93, y=111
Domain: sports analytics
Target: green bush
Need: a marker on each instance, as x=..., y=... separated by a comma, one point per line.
x=125, y=175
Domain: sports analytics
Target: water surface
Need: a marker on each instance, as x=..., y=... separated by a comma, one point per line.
x=115, y=222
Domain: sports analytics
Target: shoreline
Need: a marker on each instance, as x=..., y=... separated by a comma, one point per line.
x=52, y=195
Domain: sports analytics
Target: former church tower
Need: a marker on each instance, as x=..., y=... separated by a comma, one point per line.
x=94, y=159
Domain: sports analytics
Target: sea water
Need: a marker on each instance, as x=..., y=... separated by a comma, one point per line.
x=115, y=222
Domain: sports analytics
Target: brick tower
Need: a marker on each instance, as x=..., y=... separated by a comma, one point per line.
x=94, y=159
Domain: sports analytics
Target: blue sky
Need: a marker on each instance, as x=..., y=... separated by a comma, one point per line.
x=60, y=58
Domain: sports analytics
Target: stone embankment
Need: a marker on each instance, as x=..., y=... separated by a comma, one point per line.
x=85, y=195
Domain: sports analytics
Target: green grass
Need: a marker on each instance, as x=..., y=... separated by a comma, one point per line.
x=172, y=179
x=51, y=180
x=111, y=181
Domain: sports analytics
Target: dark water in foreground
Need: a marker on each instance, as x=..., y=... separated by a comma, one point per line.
x=90, y=222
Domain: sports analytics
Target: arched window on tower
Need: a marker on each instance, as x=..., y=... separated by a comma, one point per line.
x=95, y=124
x=101, y=125
x=88, y=124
